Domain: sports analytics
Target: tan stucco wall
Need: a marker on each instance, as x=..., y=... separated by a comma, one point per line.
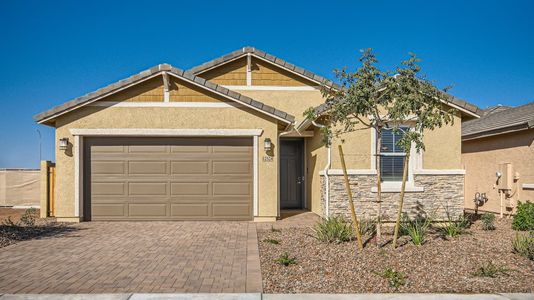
x=444, y=147
x=167, y=117
x=316, y=157
x=481, y=158
x=292, y=102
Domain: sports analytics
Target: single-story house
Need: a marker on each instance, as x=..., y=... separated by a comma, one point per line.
x=227, y=140
x=498, y=155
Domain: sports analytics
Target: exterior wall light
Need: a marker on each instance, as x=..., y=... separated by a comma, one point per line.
x=267, y=145
x=63, y=144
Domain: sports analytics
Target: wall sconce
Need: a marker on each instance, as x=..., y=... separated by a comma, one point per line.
x=63, y=144
x=267, y=145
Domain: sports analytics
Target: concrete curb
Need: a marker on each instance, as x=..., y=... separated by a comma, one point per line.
x=259, y=296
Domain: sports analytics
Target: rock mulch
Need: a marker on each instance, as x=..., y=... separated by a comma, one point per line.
x=439, y=266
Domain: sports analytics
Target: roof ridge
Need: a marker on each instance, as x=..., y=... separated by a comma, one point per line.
x=154, y=71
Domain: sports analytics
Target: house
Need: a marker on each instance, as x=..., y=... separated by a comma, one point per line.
x=498, y=155
x=227, y=140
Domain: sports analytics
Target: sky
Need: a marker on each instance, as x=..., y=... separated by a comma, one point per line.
x=54, y=51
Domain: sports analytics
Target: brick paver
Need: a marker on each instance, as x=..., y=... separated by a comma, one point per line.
x=142, y=257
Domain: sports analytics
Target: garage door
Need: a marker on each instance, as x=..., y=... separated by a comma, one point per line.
x=168, y=178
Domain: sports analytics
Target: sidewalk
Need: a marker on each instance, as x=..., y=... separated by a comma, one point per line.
x=258, y=296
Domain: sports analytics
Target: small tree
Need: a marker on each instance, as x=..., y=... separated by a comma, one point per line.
x=371, y=98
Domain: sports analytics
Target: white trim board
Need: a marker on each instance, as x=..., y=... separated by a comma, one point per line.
x=166, y=104
x=528, y=186
x=164, y=132
x=439, y=172
x=270, y=88
x=349, y=172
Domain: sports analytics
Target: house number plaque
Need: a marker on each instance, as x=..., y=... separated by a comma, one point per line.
x=267, y=158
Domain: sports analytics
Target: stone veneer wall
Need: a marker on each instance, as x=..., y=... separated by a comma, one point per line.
x=441, y=193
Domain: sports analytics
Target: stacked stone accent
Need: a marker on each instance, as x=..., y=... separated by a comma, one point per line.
x=442, y=194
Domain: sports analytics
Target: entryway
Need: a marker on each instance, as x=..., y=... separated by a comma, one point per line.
x=292, y=174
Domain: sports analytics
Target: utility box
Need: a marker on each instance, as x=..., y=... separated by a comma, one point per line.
x=506, y=181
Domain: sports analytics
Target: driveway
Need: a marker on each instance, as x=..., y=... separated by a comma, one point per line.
x=156, y=257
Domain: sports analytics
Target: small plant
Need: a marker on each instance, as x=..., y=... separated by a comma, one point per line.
x=9, y=222
x=272, y=241
x=395, y=279
x=417, y=228
x=488, y=221
x=29, y=217
x=275, y=229
x=453, y=228
x=491, y=270
x=524, y=217
x=367, y=227
x=333, y=230
x=285, y=260
x=523, y=244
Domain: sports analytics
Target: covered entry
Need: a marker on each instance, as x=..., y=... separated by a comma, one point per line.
x=178, y=178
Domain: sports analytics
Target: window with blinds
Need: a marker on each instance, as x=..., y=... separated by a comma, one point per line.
x=391, y=155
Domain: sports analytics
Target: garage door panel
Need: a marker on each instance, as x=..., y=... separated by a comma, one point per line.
x=108, y=167
x=147, y=209
x=190, y=167
x=190, y=210
x=169, y=178
x=147, y=188
x=147, y=167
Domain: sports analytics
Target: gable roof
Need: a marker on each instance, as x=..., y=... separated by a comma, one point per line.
x=494, y=109
x=504, y=121
x=265, y=57
x=151, y=73
x=459, y=104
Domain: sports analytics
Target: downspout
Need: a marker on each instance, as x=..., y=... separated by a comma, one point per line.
x=325, y=171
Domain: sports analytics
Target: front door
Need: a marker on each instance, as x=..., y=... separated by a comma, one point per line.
x=291, y=174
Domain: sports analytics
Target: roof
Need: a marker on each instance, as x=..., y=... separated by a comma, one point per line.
x=494, y=109
x=153, y=72
x=500, y=122
x=461, y=105
x=263, y=56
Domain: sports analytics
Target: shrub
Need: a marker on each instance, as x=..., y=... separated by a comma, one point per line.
x=333, y=230
x=416, y=228
x=285, y=260
x=29, y=217
x=367, y=227
x=456, y=227
x=272, y=241
x=490, y=270
x=488, y=221
x=523, y=244
x=395, y=279
x=9, y=222
x=524, y=217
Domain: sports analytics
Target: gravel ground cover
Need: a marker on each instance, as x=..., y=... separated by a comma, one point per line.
x=13, y=231
x=440, y=265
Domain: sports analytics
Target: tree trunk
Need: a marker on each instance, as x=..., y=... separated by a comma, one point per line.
x=401, y=200
x=378, y=187
x=351, y=203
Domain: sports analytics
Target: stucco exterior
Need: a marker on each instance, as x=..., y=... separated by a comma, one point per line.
x=481, y=158
x=178, y=104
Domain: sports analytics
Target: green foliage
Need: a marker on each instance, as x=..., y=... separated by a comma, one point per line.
x=285, y=260
x=333, y=230
x=395, y=279
x=523, y=244
x=272, y=241
x=524, y=217
x=454, y=227
x=488, y=221
x=29, y=217
x=367, y=227
x=491, y=270
x=416, y=228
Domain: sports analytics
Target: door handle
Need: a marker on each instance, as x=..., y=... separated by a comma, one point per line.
x=300, y=180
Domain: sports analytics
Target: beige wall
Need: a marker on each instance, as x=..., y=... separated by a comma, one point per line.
x=19, y=187
x=481, y=157
x=167, y=117
x=316, y=157
x=444, y=147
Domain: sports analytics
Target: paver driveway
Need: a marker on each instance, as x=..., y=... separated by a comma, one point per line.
x=114, y=257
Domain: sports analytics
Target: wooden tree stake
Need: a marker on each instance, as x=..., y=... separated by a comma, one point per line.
x=401, y=200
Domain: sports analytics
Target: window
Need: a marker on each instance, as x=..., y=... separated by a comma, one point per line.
x=391, y=155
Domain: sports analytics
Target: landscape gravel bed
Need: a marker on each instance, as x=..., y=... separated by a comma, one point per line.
x=440, y=265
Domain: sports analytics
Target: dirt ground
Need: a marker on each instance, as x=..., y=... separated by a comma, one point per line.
x=446, y=265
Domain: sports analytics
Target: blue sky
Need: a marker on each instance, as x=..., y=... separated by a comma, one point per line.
x=53, y=51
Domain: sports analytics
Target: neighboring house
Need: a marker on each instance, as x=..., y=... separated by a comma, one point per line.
x=498, y=155
x=227, y=141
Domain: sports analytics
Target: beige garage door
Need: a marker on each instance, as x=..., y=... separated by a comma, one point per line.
x=168, y=178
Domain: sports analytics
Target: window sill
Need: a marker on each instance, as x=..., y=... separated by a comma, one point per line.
x=395, y=187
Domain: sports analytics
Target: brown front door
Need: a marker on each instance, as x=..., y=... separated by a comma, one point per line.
x=291, y=174
x=168, y=179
